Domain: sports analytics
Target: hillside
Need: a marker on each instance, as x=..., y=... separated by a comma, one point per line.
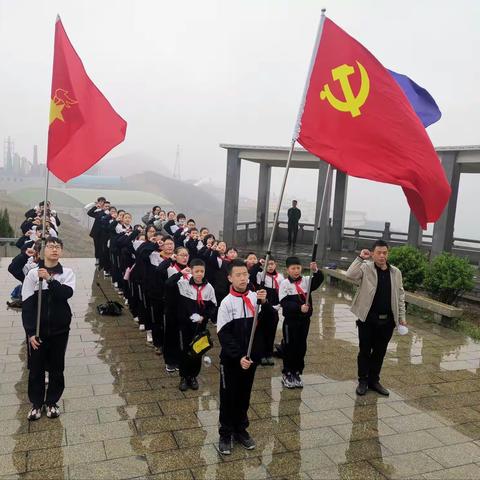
x=187, y=198
x=76, y=239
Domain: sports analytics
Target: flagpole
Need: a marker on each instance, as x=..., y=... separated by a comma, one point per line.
x=317, y=230
x=42, y=251
x=296, y=132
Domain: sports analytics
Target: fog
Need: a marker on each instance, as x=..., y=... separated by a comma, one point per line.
x=202, y=73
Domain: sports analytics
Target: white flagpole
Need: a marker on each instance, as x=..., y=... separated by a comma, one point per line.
x=42, y=251
x=296, y=132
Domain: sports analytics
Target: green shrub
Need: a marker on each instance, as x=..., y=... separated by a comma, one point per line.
x=412, y=263
x=448, y=277
x=6, y=229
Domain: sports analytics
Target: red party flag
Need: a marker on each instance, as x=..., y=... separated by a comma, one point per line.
x=83, y=125
x=358, y=119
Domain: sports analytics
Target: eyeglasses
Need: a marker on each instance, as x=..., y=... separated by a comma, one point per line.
x=52, y=246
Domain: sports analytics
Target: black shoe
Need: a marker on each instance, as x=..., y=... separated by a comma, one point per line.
x=263, y=362
x=270, y=361
x=362, y=388
x=379, y=388
x=225, y=445
x=15, y=304
x=193, y=383
x=245, y=440
x=170, y=368
x=278, y=350
x=183, y=384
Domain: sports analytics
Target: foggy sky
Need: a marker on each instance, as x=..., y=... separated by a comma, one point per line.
x=202, y=73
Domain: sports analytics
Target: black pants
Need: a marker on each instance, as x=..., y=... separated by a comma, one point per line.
x=295, y=333
x=156, y=312
x=235, y=389
x=268, y=329
x=373, y=335
x=97, y=246
x=171, y=339
x=292, y=233
x=189, y=366
x=49, y=356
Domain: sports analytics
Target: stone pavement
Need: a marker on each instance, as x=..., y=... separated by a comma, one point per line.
x=123, y=416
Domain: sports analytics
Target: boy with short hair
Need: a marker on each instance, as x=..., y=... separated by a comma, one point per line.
x=196, y=305
x=58, y=285
x=297, y=310
x=237, y=372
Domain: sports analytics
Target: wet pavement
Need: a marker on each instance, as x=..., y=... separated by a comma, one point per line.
x=124, y=417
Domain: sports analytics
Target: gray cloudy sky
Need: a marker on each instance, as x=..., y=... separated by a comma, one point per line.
x=201, y=73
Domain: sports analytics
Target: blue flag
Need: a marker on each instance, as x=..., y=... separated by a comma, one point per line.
x=422, y=102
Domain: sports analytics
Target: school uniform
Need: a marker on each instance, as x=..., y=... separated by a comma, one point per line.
x=270, y=323
x=55, y=318
x=96, y=213
x=193, y=299
x=296, y=324
x=171, y=343
x=21, y=265
x=234, y=324
x=218, y=267
x=180, y=236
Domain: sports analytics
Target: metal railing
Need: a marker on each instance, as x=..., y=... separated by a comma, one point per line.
x=359, y=234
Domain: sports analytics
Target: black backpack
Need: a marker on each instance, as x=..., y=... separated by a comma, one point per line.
x=110, y=308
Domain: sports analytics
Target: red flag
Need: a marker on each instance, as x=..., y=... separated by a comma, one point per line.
x=358, y=119
x=83, y=125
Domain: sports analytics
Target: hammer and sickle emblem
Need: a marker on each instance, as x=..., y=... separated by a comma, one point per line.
x=351, y=103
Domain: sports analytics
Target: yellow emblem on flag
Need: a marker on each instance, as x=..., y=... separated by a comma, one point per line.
x=352, y=103
x=60, y=100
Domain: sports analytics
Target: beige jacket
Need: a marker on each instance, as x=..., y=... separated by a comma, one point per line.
x=365, y=273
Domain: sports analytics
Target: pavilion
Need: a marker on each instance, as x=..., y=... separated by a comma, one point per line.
x=455, y=161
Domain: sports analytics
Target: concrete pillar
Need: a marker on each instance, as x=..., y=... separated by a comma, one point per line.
x=443, y=228
x=263, y=200
x=323, y=234
x=232, y=191
x=339, y=204
x=415, y=232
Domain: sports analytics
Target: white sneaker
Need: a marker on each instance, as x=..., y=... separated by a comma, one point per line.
x=34, y=414
x=141, y=327
x=53, y=411
x=288, y=381
x=135, y=319
x=297, y=380
x=149, y=336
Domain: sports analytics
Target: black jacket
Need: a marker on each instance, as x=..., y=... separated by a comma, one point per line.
x=291, y=301
x=16, y=266
x=97, y=214
x=234, y=326
x=56, y=315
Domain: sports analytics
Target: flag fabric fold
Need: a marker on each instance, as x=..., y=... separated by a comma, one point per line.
x=83, y=125
x=422, y=102
x=357, y=118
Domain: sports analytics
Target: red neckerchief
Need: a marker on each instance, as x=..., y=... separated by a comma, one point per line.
x=179, y=269
x=300, y=290
x=244, y=296
x=274, y=277
x=199, y=289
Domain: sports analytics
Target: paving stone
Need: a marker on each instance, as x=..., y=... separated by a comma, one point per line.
x=123, y=416
x=454, y=455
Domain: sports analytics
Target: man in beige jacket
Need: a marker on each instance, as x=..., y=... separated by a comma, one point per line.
x=379, y=306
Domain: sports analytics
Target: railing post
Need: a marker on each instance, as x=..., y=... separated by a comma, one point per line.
x=246, y=233
x=386, y=232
